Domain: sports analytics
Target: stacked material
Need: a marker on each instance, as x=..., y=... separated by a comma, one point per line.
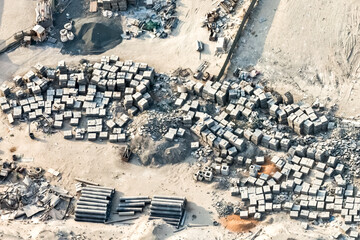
x=132, y=204
x=170, y=209
x=94, y=204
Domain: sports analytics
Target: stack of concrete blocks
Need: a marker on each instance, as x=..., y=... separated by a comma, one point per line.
x=214, y=91
x=75, y=95
x=304, y=121
x=206, y=174
x=304, y=175
x=113, y=5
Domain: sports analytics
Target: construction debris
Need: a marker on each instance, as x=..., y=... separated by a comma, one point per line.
x=31, y=195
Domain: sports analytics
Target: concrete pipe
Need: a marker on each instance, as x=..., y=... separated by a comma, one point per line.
x=102, y=192
x=95, y=193
x=68, y=26
x=168, y=200
x=89, y=220
x=90, y=216
x=139, y=200
x=157, y=208
x=99, y=187
x=94, y=189
x=177, y=205
x=170, y=197
x=139, y=204
x=92, y=212
x=70, y=36
x=165, y=217
x=92, y=204
x=131, y=213
x=166, y=213
x=63, y=38
x=134, y=198
x=87, y=195
x=126, y=209
x=90, y=208
x=94, y=200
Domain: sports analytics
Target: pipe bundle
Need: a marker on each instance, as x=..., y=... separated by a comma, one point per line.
x=94, y=205
x=170, y=209
x=129, y=205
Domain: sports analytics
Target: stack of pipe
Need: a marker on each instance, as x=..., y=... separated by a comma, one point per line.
x=131, y=204
x=94, y=205
x=170, y=209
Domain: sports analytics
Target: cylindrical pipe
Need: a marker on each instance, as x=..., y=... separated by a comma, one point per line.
x=96, y=193
x=91, y=207
x=177, y=205
x=81, y=215
x=139, y=204
x=137, y=200
x=126, y=209
x=168, y=200
x=89, y=220
x=98, y=189
x=170, y=197
x=126, y=213
x=182, y=222
x=133, y=198
x=93, y=204
x=165, y=216
x=166, y=208
x=94, y=200
x=166, y=213
x=95, y=196
x=95, y=212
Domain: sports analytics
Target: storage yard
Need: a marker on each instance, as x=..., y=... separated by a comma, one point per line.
x=179, y=119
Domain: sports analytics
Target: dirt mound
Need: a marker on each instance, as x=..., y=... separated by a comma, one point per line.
x=94, y=38
x=235, y=224
x=160, y=152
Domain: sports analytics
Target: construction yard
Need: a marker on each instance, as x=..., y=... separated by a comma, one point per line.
x=179, y=119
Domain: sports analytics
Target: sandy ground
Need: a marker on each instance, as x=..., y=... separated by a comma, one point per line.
x=298, y=40
x=310, y=47
x=100, y=162
x=166, y=55
x=11, y=21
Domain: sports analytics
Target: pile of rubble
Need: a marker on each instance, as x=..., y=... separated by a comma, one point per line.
x=158, y=18
x=97, y=93
x=219, y=21
x=26, y=194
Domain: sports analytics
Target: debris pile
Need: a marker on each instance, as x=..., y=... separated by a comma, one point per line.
x=219, y=20
x=94, y=204
x=25, y=194
x=158, y=18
